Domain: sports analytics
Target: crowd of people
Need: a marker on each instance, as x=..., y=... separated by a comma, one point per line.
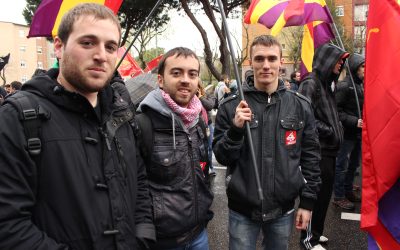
x=81, y=168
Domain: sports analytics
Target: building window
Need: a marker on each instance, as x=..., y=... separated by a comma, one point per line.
x=40, y=65
x=360, y=12
x=21, y=33
x=22, y=48
x=23, y=64
x=24, y=79
x=39, y=50
x=283, y=46
x=340, y=10
x=359, y=33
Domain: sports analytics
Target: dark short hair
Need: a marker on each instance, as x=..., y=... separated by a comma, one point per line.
x=178, y=51
x=98, y=11
x=293, y=75
x=16, y=85
x=267, y=41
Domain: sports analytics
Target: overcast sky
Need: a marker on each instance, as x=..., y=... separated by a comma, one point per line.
x=180, y=31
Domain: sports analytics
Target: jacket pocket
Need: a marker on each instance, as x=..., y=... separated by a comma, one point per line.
x=165, y=164
x=291, y=131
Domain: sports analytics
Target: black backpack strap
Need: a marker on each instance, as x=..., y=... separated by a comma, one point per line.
x=143, y=126
x=31, y=115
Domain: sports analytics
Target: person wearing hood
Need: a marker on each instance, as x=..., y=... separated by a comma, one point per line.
x=180, y=194
x=349, y=156
x=284, y=136
x=320, y=87
x=82, y=185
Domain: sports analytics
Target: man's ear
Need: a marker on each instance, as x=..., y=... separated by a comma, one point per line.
x=160, y=80
x=58, y=47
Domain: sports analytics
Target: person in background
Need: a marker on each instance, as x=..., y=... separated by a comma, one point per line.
x=208, y=102
x=3, y=94
x=320, y=87
x=284, y=132
x=222, y=89
x=349, y=156
x=295, y=80
x=86, y=186
x=7, y=87
x=15, y=86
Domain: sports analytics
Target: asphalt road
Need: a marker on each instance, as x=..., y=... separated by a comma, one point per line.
x=342, y=233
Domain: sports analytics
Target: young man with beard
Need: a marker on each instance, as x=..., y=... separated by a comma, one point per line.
x=287, y=152
x=180, y=196
x=320, y=88
x=82, y=185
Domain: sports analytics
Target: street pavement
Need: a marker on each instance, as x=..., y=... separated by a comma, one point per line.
x=343, y=234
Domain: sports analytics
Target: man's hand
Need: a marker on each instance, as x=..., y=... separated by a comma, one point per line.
x=243, y=114
x=359, y=123
x=303, y=217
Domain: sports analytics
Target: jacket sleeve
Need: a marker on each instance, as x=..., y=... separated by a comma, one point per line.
x=309, y=161
x=208, y=102
x=342, y=98
x=18, y=185
x=228, y=139
x=144, y=223
x=308, y=89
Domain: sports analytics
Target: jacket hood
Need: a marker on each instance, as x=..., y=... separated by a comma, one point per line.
x=47, y=86
x=355, y=61
x=324, y=61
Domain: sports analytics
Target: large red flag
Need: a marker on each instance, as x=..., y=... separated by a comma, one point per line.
x=128, y=67
x=381, y=133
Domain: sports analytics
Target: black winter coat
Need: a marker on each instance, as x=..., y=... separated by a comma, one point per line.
x=318, y=88
x=286, y=148
x=87, y=189
x=346, y=99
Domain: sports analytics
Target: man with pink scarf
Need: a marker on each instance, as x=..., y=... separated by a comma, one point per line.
x=178, y=183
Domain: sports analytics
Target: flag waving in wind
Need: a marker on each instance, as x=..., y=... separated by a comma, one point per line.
x=276, y=14
x=48, y=15
x=381, y=135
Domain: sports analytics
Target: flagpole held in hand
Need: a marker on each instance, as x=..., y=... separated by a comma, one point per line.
x=240, y=90
x=138, y=32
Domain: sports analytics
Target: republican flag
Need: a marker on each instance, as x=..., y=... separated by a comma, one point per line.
x=276, y=14
x=129, y=67
x=153, y=63
x=315, y=34
x=48, y=15
x=380, y=205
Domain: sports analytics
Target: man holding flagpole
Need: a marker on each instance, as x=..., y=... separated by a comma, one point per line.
x=320, y=87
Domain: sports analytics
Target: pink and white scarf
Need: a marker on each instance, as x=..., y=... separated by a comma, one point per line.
x=188, y=114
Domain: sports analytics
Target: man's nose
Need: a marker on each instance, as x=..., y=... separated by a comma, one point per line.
x=100, y=54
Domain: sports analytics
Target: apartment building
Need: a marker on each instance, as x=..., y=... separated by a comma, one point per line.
x=26, y=55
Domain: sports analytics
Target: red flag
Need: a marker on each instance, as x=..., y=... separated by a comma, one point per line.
x=381, y=133
x=153, y=63
x=128, y=67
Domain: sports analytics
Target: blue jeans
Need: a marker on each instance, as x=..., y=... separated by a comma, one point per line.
x=243, y=232
x=200, y=243
x=210, y=140
x=348, y=160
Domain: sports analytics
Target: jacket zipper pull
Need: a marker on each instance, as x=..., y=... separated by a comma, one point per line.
x=269, y=99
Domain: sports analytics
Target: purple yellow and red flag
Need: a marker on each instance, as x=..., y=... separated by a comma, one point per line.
x=129, y=67
x=381, y=134
x=315, y=34
x=276, y=14
x=48, y=15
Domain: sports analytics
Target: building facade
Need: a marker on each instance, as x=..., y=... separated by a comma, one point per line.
x=26, y=54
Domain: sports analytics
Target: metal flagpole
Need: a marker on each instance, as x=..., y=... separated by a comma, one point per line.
x=239, y=85
x=348, y=69
x=139, y=31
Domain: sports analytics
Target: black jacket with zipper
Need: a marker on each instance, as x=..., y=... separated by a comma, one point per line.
x=320, y=87
x=286, y=149
x=346, y=99
x=180, y=195
x=87, y=189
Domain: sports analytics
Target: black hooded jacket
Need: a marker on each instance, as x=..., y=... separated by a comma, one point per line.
x=346, y=99
x=286, y=148
x=87, y=189
x=317, y=86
